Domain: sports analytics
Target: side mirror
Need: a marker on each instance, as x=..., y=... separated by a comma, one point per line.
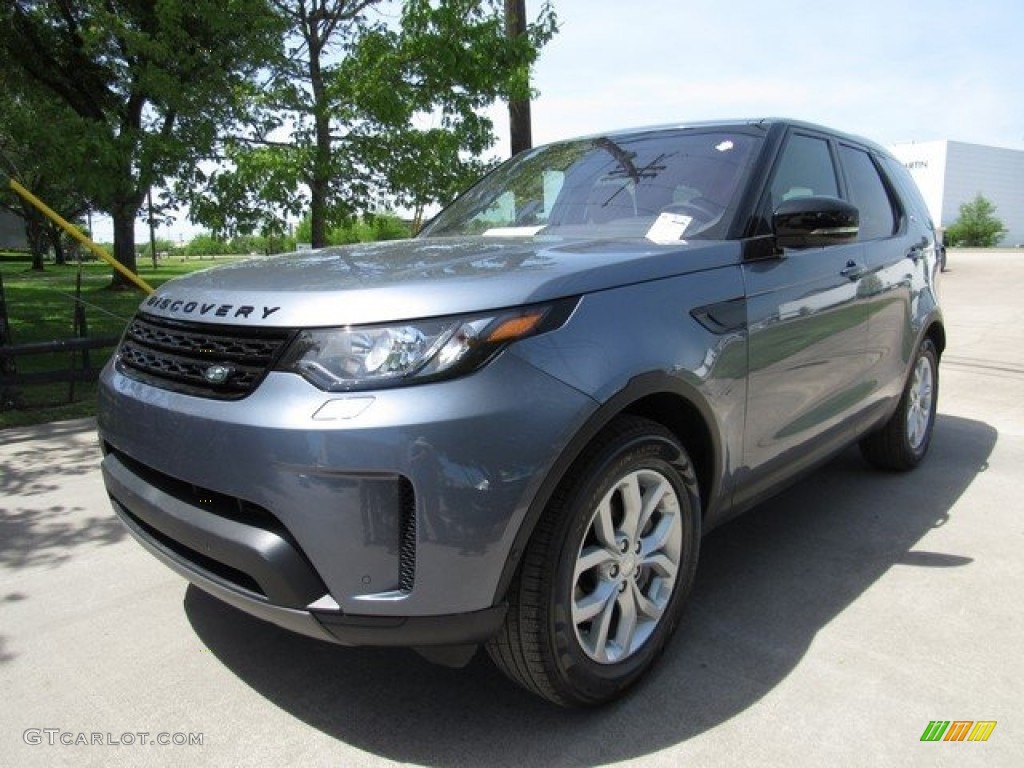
x=813, y=222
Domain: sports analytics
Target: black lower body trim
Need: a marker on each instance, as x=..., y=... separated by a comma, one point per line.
x=246, y=557
x=411, y=631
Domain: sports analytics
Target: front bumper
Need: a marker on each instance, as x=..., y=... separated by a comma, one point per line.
x=205, y=548
x=389, y=525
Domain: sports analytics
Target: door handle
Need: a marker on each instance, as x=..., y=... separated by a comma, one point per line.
x=852, y=270
x=916, y=252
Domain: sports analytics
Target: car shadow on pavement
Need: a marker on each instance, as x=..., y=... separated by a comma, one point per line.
x=768, y=583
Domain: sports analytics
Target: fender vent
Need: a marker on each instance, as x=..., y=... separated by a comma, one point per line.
x=407, y=542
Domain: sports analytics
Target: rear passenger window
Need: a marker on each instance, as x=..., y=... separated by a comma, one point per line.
x=805, y=170
x=868, y=192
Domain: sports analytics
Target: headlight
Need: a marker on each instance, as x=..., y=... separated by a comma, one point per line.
x=366, y=357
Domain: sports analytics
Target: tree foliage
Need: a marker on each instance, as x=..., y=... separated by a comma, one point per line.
x=367, y=110
x=30, y=154
x=136, y=90
x=369, y=227
x=977, y=226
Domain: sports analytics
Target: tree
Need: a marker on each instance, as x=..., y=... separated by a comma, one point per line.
x=29, y=154
x=519, y=119
x=977, y=226
x=370, y=227
x=365, y=111
x=142, y=88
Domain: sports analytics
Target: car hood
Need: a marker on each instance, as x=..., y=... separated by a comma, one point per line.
x=426, y=277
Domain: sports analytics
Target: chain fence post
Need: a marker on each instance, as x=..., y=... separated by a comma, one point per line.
x=9, y=396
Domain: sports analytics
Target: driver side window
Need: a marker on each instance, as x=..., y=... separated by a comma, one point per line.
x=804, y=170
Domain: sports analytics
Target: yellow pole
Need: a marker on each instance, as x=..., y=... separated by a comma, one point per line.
x=72, y=230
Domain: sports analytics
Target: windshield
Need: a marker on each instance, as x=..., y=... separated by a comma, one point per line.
x=664, y=186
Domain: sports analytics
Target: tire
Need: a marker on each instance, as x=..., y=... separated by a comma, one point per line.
x=603, y=582
x=902, y=442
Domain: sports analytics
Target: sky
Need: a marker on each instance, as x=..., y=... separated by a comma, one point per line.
x=891, y=70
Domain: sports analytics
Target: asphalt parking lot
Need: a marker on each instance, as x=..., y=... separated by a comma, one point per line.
x=829, y=626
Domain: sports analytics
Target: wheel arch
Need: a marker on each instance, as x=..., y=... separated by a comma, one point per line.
x=659, y=397
x=687, y=423
x=936, y=331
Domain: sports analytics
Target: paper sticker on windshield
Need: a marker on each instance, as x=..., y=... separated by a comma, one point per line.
x=513, y=231
x=668, y=227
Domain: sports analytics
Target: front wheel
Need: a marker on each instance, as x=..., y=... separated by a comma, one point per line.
x=903, y=441
x=607, y=571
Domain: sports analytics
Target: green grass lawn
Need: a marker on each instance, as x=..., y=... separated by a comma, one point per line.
x=40, y=307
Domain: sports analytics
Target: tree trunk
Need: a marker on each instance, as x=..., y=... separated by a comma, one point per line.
x=320, y=180
x=319, y=184
x=519, y=119
x=124, y=245
x=35, y=232
x=56, y=236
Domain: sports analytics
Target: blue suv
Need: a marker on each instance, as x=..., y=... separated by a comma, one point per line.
x=513, y=429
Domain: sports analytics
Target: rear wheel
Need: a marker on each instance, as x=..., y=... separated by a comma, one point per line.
x=606, y=574
x=903, y=441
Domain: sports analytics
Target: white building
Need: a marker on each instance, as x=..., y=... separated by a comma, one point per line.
x=950, y=173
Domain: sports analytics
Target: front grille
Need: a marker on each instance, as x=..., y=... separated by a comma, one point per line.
x=220, y=504
x=223, y=362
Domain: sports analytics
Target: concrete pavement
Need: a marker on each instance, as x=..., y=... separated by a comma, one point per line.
x=828, y=627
